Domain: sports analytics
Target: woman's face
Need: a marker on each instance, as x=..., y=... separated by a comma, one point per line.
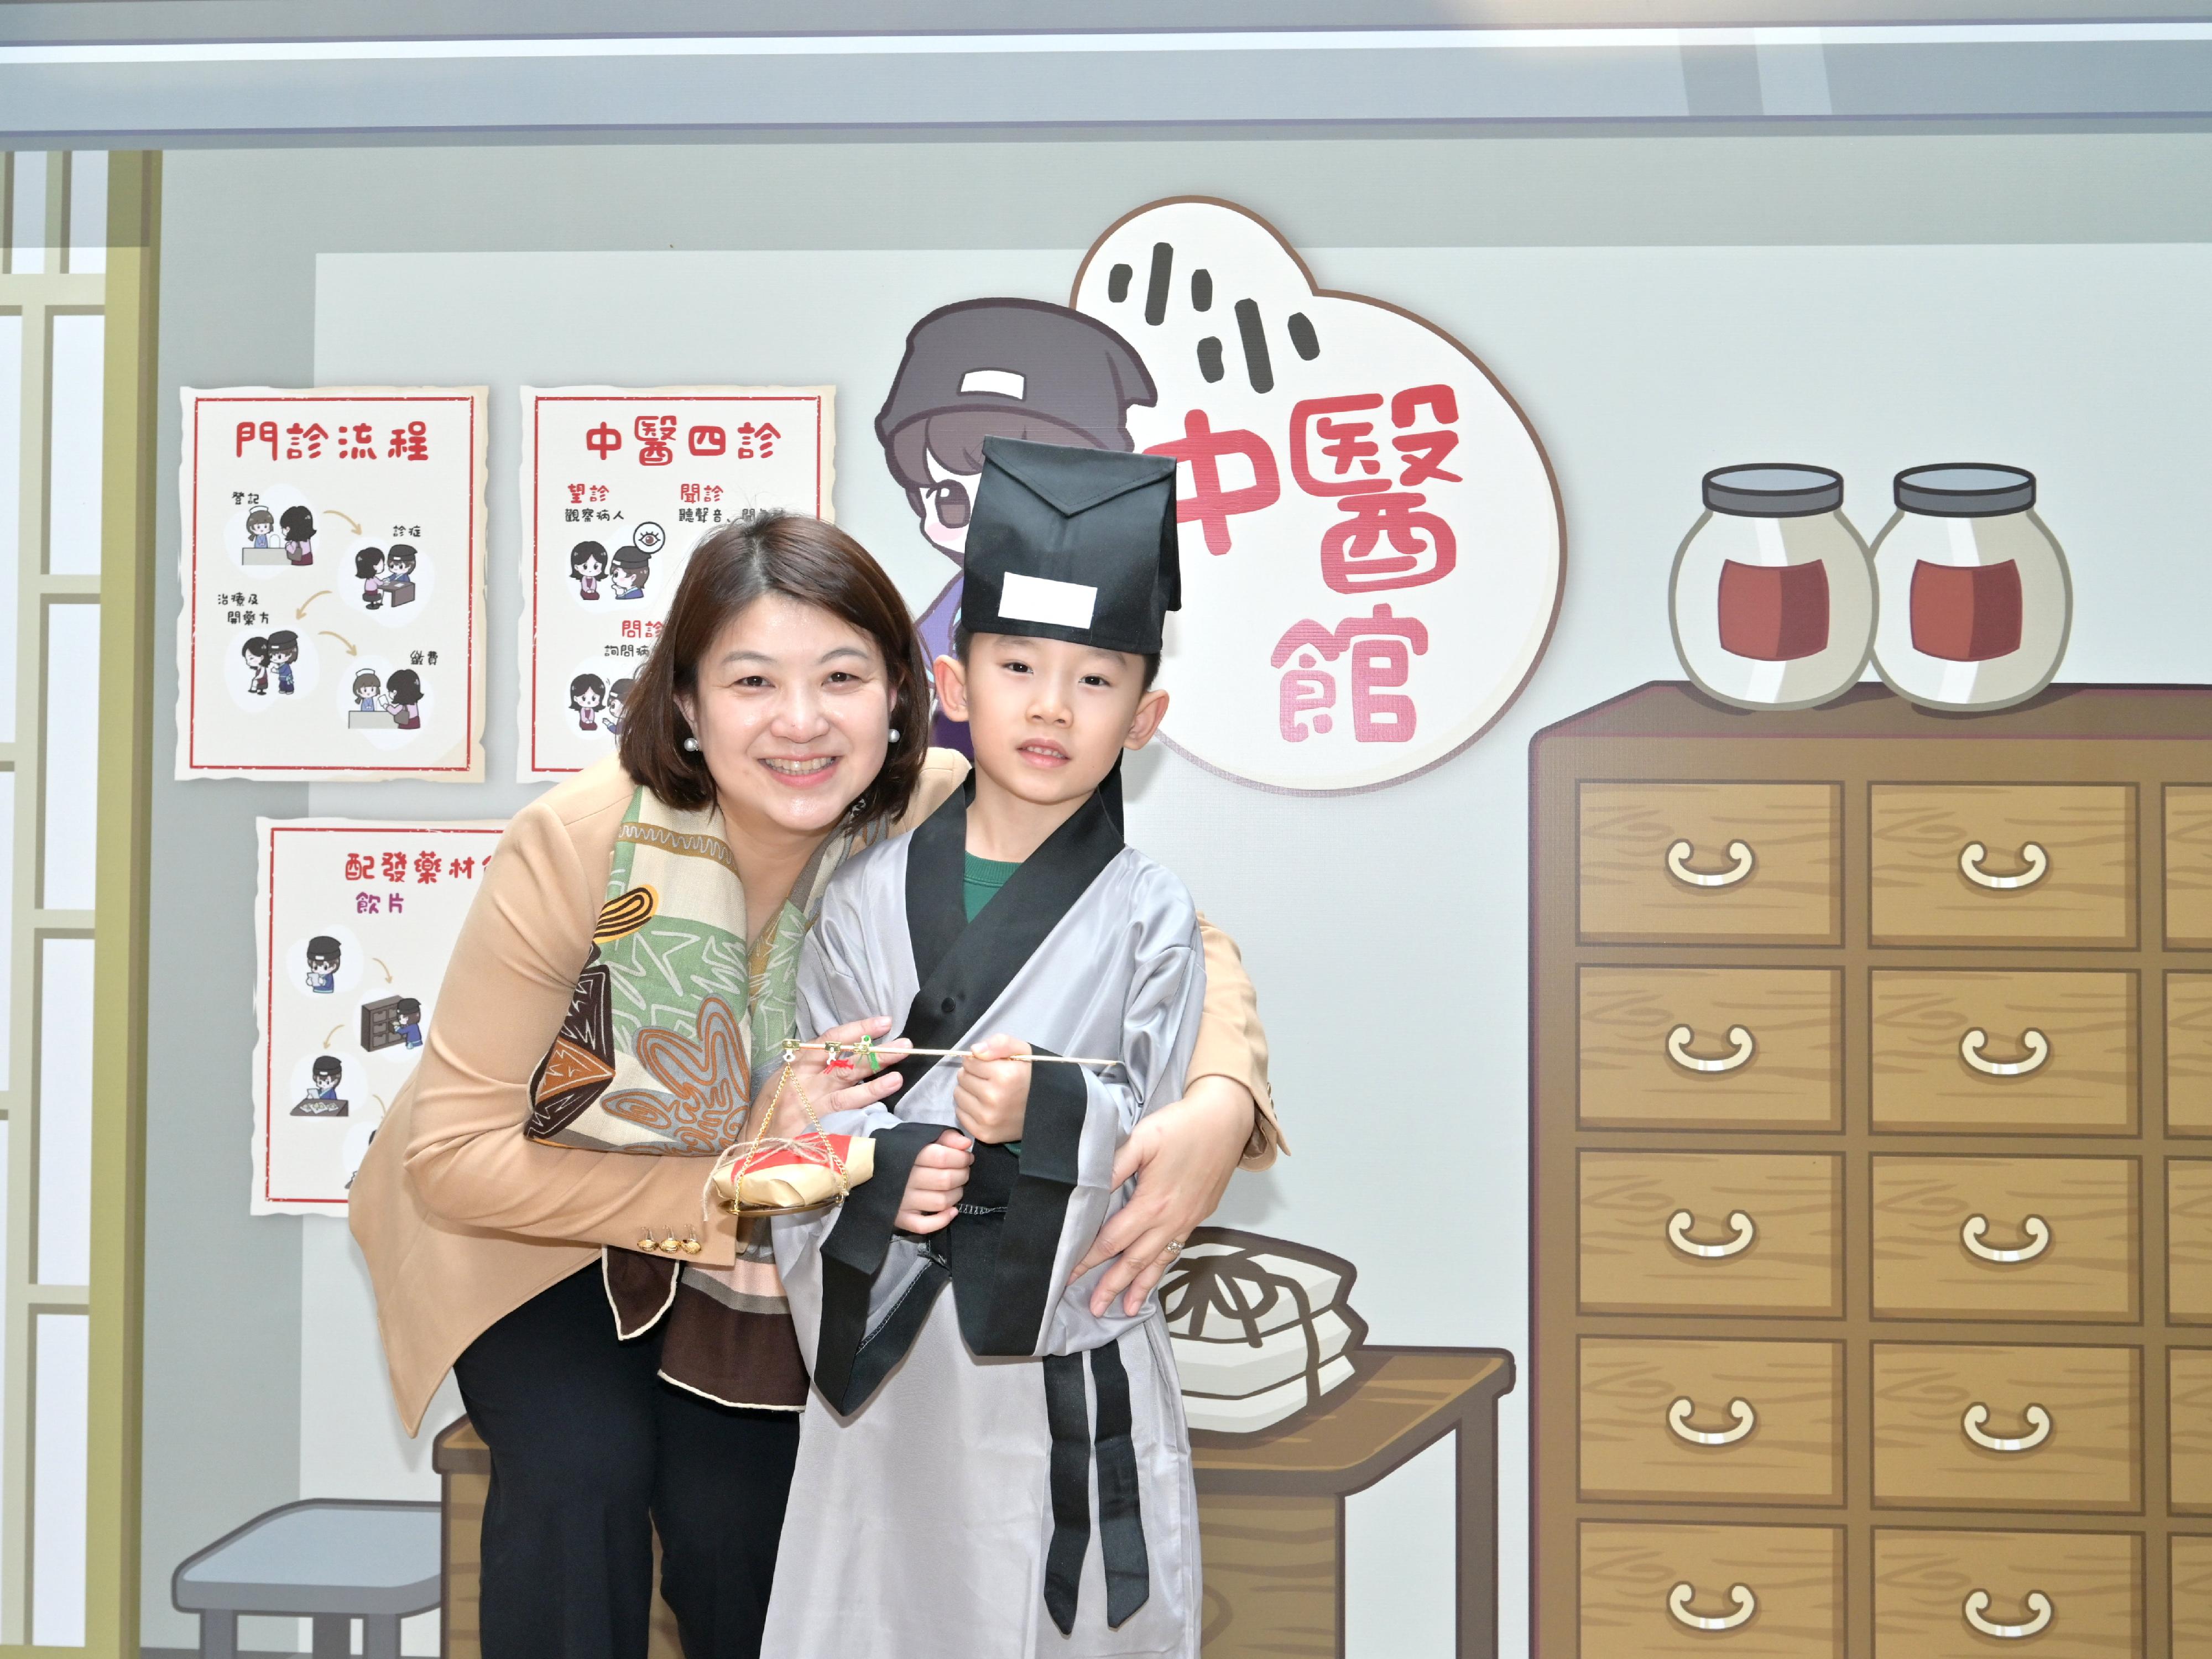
x=792, y=715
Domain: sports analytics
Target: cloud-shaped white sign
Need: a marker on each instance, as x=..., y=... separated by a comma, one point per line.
x=1372, y=545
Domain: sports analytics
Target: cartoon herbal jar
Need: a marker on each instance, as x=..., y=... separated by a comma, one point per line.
x=1774, y=597
x=1976, y=600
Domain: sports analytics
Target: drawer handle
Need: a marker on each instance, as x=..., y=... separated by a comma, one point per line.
x=2038, y=1230
x=2037, y=1603
x=1677, y=1419
x=1740, y=1040
x=1678, y=1235
x=1678, y=865
x=2037, y=1044
x=1969, y=865
x=2037, y=1420
x=1680, y=1597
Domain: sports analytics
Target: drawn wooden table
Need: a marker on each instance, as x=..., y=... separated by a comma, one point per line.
x=1271, y=1505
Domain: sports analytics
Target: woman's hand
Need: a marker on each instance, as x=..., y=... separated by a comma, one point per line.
x=1182, y=1156
x=842, y=1089
x=933, y=1188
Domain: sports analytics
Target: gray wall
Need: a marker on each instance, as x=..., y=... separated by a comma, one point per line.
x=242, y=231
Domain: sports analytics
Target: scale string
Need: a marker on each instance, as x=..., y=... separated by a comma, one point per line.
x=845, y=1053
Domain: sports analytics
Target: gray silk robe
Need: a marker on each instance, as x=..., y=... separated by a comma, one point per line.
x=923, y=1520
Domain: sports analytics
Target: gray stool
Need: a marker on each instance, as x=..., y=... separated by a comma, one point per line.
x=331, y=1559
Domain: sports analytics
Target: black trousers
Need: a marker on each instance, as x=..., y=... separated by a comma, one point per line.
x=590, y=1449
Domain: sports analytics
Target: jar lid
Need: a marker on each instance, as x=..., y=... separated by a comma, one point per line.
x=1966, y=490
x=1775, y=491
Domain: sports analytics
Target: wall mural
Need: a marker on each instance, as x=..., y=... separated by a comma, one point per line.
x=1871, y=1232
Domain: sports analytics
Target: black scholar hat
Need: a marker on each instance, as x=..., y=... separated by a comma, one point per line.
x=1075, y=545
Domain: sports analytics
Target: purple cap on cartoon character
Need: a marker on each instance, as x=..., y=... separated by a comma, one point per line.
x=996, y=368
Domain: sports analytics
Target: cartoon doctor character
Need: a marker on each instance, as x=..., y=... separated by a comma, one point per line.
x=324, y=955
x=1002, y=368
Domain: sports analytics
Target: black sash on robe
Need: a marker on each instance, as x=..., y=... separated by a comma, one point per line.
x=998, y=1254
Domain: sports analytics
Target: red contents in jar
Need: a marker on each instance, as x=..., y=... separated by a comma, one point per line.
x=1965, y=612
x=1774, y=612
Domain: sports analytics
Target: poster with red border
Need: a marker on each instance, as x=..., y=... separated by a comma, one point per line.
x=618, y=486
x=332, y=562
x=353, y=921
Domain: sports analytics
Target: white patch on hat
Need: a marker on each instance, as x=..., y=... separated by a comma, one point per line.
x=1041, y=600
x=1003, y=381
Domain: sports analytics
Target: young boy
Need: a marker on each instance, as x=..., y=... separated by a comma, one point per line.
x=944, y=1498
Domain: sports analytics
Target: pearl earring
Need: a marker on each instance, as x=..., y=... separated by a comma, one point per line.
x=894, y=734
x=690, y=745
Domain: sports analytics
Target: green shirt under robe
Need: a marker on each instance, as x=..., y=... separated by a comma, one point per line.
x=979, y=885
x=984, y=878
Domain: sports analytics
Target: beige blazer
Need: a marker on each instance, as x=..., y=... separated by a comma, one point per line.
x=462, y=1218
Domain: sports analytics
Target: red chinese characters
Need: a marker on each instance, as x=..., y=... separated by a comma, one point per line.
x=256, y=432
x=411, y=442
x=655, y=433
x=708, y=440
x=1207, y=504
x=426, y=866
x=1381, y=646
x=305, y=442
x=1388, y=538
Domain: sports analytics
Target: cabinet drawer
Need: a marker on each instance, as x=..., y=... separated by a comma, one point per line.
x=2189, y=1053
x=2083, y=1437
x=2188, y=1409
x=2056, y=1239
x=2056, y=864
x=1642, y=1586
x=1710, y=1048
x=2189, y=866
x=1752, y=863
x=2189, y=1241
x=2076, y=1595
x=2004, y=1053
x=1711, y=1233
x=2192, y=1594
x=1771, y=1413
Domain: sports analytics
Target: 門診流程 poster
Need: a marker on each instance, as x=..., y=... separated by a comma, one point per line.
x=332, y=566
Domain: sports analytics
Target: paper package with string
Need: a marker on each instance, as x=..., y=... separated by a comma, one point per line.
x=1260, y=1328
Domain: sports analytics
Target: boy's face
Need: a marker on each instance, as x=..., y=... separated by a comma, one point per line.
x=1049, y=718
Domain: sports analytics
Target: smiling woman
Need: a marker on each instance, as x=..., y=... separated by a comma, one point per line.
x=790, y=666
x=630, y=962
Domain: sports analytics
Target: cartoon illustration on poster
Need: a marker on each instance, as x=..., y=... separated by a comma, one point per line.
x=617, y=487
x=354, y=922
x=1373, y=546
x=332, y=567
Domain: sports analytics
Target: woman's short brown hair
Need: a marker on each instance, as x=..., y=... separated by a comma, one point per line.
x=804, y=559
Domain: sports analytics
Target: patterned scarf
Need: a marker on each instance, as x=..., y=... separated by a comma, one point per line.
x=671, y=1020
